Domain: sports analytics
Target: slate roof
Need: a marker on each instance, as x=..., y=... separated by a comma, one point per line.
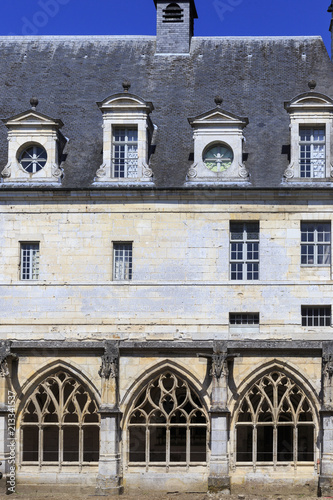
x=254, y=75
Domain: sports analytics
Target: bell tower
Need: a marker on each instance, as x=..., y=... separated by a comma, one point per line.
x=174, y=26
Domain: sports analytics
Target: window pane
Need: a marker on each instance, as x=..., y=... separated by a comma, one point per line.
x=178, y=444
x=265, y=444
x=125, y=152
x=305, y=443
x=244, y=251
x=51, y=444
x=244, y=444
x=312, y=152
x=122, y=257
x=157, y=444
x=29, y=261
x=30, y=444
x=198, y=444
x=71, y=444
x=91, y=444
x=285, y=444
x=137, y=448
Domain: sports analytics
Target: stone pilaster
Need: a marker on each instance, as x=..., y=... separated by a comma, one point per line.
x=219, y=479
x=326, y=469
x=109, y=480
x=6, y=357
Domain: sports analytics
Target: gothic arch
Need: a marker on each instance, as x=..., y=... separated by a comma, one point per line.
x=46, y=369
x=155, y=369
x=166, y=422
x=59, y=420
x=286, y=367
x=275, y=420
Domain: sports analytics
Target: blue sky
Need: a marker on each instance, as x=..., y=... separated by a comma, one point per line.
x=126, y=17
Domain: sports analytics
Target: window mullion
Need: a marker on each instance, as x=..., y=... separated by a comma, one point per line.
x=168, y=447
x=275, y=439
x=254, y=451
x=147, y=447
x=188, y=445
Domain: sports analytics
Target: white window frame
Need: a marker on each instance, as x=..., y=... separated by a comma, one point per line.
x=240, y=249
x=307, y=153
x=29, y=260
x=124, y=270
x=127, y=164
x=316, y=241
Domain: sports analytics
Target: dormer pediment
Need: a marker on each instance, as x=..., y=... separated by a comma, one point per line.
x=309, y=101
x=219, y=117
x=32, y=117
x=123, y=101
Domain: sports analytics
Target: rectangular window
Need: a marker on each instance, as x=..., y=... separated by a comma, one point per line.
x=244, y=250
x=125, y=152
x=312, y=152
x=122, y=261
x=316, y=243
x=244, y=318
x=316, y=315
x=29, y=261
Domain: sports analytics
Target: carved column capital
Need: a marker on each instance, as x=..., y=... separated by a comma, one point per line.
x=5, y=353
x=219, y=360
x=110, y=359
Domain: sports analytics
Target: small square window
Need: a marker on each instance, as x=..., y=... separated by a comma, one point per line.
x=122, y=261
x=244, y=250
x=316, y=243
x=29, y=261
x=244, y=318
x=316, y=315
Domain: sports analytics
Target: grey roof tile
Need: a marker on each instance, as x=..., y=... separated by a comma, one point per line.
x=254, y=75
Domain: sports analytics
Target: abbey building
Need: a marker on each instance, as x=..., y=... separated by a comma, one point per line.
x=166, y=279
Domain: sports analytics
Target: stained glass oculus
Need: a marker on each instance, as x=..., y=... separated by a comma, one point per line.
x=218, y=158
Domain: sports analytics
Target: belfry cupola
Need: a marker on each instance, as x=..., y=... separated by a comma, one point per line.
x=174, y=26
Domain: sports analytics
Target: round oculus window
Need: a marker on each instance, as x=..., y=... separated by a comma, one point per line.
x=218, y=158
x=33, y=159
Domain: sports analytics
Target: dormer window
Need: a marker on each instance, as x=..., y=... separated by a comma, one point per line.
x=312, y=159
x=127, y=136
x=125, y=152
x=311, y=116
x=218, y=147
x=173, y=14
x=35, y=146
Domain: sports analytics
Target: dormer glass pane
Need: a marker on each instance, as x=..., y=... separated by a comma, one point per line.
x=312, y=152
x=125, y=152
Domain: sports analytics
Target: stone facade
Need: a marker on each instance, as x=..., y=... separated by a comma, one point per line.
x=200, y=355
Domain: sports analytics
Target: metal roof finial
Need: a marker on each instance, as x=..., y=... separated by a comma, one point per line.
x=126, y=85
x=312, y=85
x=218, y=101
x=34, y=103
